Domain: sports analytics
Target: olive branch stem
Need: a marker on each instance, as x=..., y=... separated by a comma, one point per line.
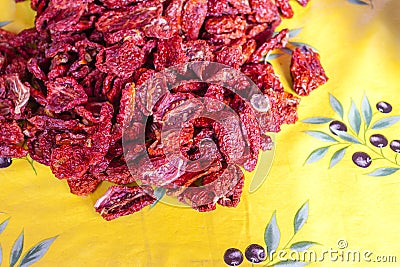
x=30, y=161
x=365, y=144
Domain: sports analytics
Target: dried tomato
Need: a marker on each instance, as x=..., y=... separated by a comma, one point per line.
x=278, y=41
x=69, y=161
x=230, y=55
x=264, y=11
x=225, y=24
x=122, y=60
x=169, y=53
x=230, y=139
x=132, y=17
x=84, y=185
x=159, y=28
x=193, y=16
x=122, y=200
x=303, y=2
x=285, y=8
x=41, y=145
x=10, y=132
x=64, y=94
x=306, y=70
x=12, y=151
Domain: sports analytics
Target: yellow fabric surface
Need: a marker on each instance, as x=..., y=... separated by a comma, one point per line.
x=359, y=49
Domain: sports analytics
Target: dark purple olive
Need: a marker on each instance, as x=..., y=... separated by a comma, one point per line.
x=378, y=140
x=395, y=146
x=255, y=253
x=233, y=257
x=337, y=126
x=362, y=160
x=384, y=107
x=5, y=162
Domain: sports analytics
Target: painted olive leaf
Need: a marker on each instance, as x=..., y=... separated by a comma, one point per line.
x=317, y=120
x=294, y=32
x=366, y=111
x=347, y=137
x=291, y=263
x=287, y=50
x=385, y=123
x=358, y=2
x=317, y=154
x=3, y=225
x=337, y=157
x=300, y=44
x=4, y=23
x=16, y=250
x=355, y=118
x=336, y=105
x=301, y=217
x=321, y=136
x=159, y=192
x=36, y=252
x=272, y=56
x=302, y=245
x=383, y=172
x=272, y=235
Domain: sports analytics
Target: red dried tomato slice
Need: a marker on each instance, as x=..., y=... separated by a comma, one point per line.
x=84, y=185
x=121, y=60
x=229, y=135
x=64, y=94
x=122, y=200
x=10, y=132
x=12, y=151
x=41, y=145
x=285, y=8
x=264, y=11
x=278, y=41
x=169, y=53
x=307, y=71
x=193, y=16
x=70, y=161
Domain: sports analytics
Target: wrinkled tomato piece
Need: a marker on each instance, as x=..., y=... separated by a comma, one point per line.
x=194, y=14
x=70, y=161
x=83, y=186
x=121, y=60
x=169, y=53
x=10, y=132
x=123, y=200
x=278, y=41
x=12, y=151
x=306, y=70
x=64, y=94
x=285, y=8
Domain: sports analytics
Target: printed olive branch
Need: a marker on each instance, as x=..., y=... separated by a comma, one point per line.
x=285, y=50
x=4, y=23
x=272, y=238
x=30, y=161
x=362, y=3
x=33, y=255
x=351, y=135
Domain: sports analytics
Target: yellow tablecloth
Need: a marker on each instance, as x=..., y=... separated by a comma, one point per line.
x=359, y=48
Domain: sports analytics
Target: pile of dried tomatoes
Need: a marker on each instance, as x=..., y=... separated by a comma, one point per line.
x=66, y=83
